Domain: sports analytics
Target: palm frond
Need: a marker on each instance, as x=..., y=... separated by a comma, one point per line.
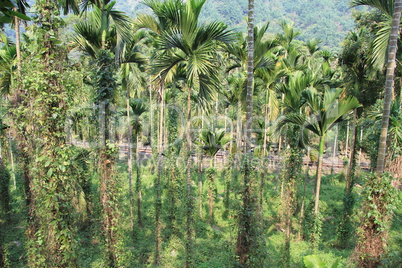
x=380, y=45
x=386, y=6
x=146, y=21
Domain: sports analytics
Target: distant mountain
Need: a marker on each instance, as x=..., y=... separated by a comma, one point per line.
x=328, y=20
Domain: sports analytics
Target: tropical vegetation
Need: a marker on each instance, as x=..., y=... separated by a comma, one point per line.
x=167, y=139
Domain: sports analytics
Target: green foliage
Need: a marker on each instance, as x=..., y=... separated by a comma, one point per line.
x=213, y=141
x=314, y=261
x=77, y=206
x=380, y=201
x=104, y=76
x=312, y=228
x=5, y=200
x=315, y=20
x=345, y=228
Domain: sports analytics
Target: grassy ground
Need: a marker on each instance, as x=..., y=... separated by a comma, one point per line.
x=214, y=244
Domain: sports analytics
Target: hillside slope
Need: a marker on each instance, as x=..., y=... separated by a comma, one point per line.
x=328, y=20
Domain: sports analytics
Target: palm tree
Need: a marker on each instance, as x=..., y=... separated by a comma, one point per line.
x=20, y=7
x=188, y=50
x=327, y=109
x=385, y=46
x=135, y=128
x=291, y=123
x=49, y=184
x=360, y=80
x=213, y=141
x=132, y=65
x=264, y=70
x=246, y=233
x=8, y=11
x=368, y=237
x=167, y=14
x=103, y=36
x=381, y=43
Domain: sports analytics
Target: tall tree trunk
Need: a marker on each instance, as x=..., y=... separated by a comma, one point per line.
x=334, y=149
x=389, y=84
x=17, y=43
x=344, y=231
x=10, y=147
x=319, y=174
x=189, y=205
x=239, y=137
x=211, y=174
x=200, y=186
x=138, y=182
x=107, y=161
x=292, y=170
x=352, y=156
x=158, y=201
x=130, y=161
x=51, y=235
x=347, y=139
x=371, y=242
x=246, y=229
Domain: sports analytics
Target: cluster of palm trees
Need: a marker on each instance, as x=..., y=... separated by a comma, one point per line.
x=183, y=62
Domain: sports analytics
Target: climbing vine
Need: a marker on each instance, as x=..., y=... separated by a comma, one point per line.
x=380, y=200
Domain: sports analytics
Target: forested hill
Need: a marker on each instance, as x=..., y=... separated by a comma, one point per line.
x=328, y=20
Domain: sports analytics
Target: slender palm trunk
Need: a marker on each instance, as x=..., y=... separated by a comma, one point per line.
x=306, y=176
x=319, y=174
x=130, y=162
x=17, y=43
x=188, y=185
x=347, y=139
x=230, y=173
x=352, y=156
x=138, y=182
x=10, y=145
x=211, y=191
x=371, y=242
x=238, y=129
x=51, y=206
x=158, y=202
x=293, y=169
x=345, y=227
x=200, y=178
x=246, y=229
x=334, y=149
x=389, y=84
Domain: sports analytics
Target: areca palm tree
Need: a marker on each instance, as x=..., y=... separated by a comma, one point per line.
x=49, y=186
x=212, y=141
x=137, y=108
x=188, y=50
x=327, y=109
x=103, y=36
x=360, y=80
x=10, y=9
x=387, y=39
x=133, y=64
x=247, y=228
x=385, y=47
x=382, y=40
x=264, y=71
x=291, y=124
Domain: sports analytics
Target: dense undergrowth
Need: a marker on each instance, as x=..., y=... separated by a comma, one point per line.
x=214, y=243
